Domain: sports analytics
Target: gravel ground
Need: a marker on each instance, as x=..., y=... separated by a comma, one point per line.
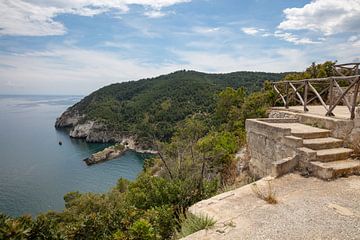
x=307, y=208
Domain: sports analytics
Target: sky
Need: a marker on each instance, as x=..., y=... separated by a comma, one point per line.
x=78, y=46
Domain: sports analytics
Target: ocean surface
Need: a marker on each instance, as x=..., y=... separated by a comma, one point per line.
x=35, y=171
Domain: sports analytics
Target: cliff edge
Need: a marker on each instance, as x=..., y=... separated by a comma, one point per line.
x=307, y=208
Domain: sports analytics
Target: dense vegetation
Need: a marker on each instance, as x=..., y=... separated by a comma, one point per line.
x=195, y=164
x=164, y=100
x=195, y=161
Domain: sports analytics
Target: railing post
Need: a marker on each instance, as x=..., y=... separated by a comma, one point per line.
x=287, y=95
x=306, y=87
x=356, y=91
x=331, y=92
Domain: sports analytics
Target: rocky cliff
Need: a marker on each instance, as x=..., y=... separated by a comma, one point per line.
x=69, y=118
x=90, y=130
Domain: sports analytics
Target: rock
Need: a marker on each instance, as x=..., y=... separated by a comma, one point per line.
x=116, y=151
x=97, y=132
x=106, y=154
x=82, y=130
x=68, y=119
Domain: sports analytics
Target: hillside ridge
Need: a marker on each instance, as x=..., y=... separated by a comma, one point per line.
x=128, y=109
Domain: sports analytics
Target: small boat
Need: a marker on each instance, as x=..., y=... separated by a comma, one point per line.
x=60, y=143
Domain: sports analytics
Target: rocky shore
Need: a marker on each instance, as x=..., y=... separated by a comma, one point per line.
x=91, y=131
x=97, y=132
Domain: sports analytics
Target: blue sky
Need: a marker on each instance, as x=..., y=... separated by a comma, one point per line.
x=78, y=46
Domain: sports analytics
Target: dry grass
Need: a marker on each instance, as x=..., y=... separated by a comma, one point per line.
x=268, y=195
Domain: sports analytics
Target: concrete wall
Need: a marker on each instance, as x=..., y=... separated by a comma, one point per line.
x=269, y=146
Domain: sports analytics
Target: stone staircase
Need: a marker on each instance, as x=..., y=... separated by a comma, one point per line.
x=332, y=159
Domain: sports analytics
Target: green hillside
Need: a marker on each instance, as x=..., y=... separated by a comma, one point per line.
x=164, y=100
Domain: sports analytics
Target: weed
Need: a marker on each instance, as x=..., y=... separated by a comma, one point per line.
x=269, y=196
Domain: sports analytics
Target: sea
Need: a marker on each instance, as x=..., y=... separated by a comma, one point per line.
x=35, y=171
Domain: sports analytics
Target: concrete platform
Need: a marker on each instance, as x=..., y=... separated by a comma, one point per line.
x=340, y=112
x=308, y=208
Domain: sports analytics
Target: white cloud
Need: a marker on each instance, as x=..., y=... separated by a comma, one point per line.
x=289, y=37
x=205, y=30
x=354, y=41
x=72, y=70
x=273, y=60
x=326, y=16
x=36, y=17
x=251, y=30
x=155, y=14
x=21, y=18
x=353, y=38
x=286, y=36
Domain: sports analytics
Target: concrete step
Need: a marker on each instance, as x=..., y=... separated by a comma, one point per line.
x=335, y=169
x=333, y=154
x=323, y=143
x=311, y=134
x=304, y=131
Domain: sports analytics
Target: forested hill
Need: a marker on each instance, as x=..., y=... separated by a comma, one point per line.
x=166, y=99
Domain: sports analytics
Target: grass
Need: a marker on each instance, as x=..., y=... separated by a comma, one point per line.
x=268, y=196
x=193, y=223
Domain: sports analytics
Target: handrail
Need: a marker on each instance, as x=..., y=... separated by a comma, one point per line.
x=300, y=91
x=350, y=68
x=318, y=79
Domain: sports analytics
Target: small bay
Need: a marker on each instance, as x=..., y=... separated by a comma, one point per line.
x=35, y=171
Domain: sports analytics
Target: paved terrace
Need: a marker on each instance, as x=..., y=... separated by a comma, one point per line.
x=341, y=112
x=308, y=208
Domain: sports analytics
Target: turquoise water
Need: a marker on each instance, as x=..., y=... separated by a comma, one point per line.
x=35, y=171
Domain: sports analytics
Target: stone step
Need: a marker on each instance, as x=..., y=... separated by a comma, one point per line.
x=330, y=170
x=323, y=143
x=333, y=154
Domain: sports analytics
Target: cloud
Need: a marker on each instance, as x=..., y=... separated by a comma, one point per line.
x=205, y=30
x=155, y=14
x=273, y=60
x=286, y=36
x=22, y=18
x=251, y=30
x=73, y=70
x=36, y=17
x=325, y=16
x=354, y=41
x=289, y=37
